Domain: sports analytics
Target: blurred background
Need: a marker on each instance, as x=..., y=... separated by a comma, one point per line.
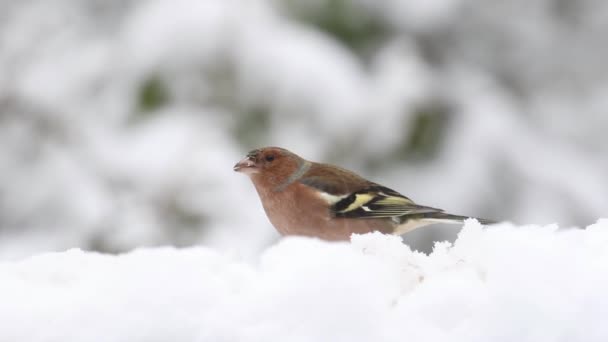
x=120, y=121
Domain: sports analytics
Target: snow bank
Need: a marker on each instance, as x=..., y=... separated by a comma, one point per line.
x=504, y=283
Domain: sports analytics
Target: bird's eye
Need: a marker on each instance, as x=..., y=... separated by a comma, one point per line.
x=269, y=158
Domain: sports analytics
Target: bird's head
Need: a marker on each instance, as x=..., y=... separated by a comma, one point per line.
x=273, y=164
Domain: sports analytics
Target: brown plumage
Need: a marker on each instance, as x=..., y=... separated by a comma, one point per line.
x=301, y=197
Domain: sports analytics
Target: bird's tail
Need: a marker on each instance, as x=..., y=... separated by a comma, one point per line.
x=441, y=217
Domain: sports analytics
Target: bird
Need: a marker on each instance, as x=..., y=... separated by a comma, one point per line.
x=306, y=198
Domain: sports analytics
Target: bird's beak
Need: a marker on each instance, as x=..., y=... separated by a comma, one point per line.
x=247, y=165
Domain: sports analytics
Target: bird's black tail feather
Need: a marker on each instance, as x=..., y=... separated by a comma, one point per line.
x=441, y=217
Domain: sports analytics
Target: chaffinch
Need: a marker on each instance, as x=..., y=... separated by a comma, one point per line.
x=301, y=197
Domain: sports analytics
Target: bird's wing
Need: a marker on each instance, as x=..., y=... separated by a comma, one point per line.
x=357, y=198
x=377, y=202
x=333, y=180
x=350, y=195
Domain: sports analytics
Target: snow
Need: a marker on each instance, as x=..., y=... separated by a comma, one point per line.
x=500, y=283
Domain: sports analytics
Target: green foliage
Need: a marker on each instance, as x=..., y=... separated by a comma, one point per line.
x=252, y=125
x=426, y=132
x=152, y=95
x=350, y=24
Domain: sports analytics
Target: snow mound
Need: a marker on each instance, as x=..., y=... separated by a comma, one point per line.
x=503, y=283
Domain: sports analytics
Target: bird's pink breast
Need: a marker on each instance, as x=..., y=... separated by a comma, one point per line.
x=298, y=210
